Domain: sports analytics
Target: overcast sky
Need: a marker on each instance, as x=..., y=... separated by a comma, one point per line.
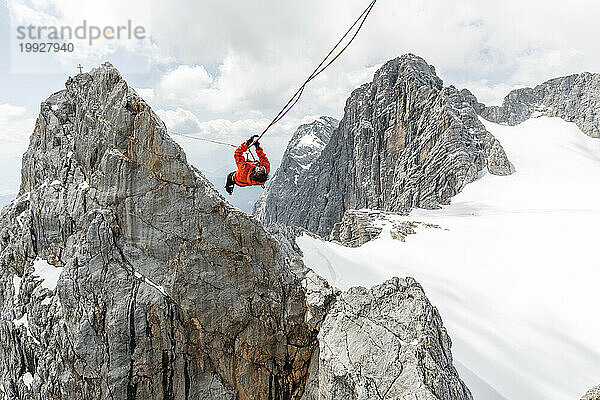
x=224, y=68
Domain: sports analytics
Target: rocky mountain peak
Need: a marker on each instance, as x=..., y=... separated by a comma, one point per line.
x=410, y=67
x=318, y=128
x=309, y=140
x=126, y=275
x=303, y=149
x=98, y=115
x=405, y=141
x=574, y=98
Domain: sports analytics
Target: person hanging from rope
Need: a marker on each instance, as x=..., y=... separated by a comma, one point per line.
x=248, y=173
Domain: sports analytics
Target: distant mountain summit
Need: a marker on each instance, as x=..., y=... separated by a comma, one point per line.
x=304, y=148
x=405, y=141
x=574, y=98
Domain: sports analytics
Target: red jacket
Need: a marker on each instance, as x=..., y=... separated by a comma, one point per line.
x=245, y=168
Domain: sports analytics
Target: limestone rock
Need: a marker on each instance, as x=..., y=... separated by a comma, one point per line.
x=574, y=98
x=405, y=141
x=320, y=296
x=402, y=229
x=304, y=148
x=384, y=343
x=358, y=227
x=164, y=290
x=592, y=394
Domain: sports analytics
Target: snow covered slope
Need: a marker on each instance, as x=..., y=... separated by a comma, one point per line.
x=515, y=271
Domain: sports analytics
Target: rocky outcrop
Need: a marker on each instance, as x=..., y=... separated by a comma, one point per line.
x=405, y=141
x=592, y=394
x=164, y=290
x=358, y=227
x=303, y=149
x=574, y=98
x=384, y=343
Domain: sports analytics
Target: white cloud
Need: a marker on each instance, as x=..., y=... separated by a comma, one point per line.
x=240, y=86
x=146, y=93
x=230, y=58
x=15, y=127
x=134, y=55
x=232, y=131
x=184, y=81
x=9, y=112
x=257, y=53
x=247, y=127
x=179, y=120
x=185, y=85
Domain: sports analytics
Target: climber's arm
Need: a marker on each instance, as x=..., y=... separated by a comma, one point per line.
x=238, y=155
x=262, y=157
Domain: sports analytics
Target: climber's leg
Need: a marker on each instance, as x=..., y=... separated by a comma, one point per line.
x=230, y=183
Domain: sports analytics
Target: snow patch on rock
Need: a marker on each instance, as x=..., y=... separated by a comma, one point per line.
x=47, y=272
x=17, y=287
x=27, y=379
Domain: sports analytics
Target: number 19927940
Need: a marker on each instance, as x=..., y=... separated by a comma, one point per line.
x=46, y=47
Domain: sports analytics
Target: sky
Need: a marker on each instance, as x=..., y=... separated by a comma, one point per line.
x=223, y=69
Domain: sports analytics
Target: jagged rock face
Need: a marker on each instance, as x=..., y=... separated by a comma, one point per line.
x=592, y=394
x=165, y=290
x=405, y=141
x=384, y=343
x=358, y=227
x=574, y=98
x=304, y=148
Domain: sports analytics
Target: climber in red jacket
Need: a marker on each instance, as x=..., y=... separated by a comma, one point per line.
x=248, y=173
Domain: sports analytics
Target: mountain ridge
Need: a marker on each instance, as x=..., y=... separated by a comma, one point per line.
x=574, y=98
x=405, y=141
